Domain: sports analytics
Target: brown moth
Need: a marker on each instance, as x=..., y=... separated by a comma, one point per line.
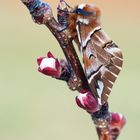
x=102, y=58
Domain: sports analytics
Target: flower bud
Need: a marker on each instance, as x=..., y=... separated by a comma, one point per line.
x=117, y=120
x=87, y=101
x=49, y=65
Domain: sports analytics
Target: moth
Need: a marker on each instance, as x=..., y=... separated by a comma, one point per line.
x=102, y=59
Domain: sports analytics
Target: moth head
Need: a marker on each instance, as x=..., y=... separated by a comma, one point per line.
x=87, y=14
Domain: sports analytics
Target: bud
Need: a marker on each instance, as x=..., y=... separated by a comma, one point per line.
x=117, y=119
x=49, y=65
x=117, y=122
x=87, y=101
x=63, y=13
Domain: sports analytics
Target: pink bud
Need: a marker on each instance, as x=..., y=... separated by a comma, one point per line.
x=49, y=65
x=117, y=120
x=87, y=101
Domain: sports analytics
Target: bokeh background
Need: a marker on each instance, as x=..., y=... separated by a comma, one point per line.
x=36, y=107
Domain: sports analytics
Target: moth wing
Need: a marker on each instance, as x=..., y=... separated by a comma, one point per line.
x=110, y=72
x=102, y=62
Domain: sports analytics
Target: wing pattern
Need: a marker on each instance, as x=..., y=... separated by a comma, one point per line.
x=102, y=62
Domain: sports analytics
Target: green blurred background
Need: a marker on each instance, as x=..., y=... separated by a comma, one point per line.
x=36, y=107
